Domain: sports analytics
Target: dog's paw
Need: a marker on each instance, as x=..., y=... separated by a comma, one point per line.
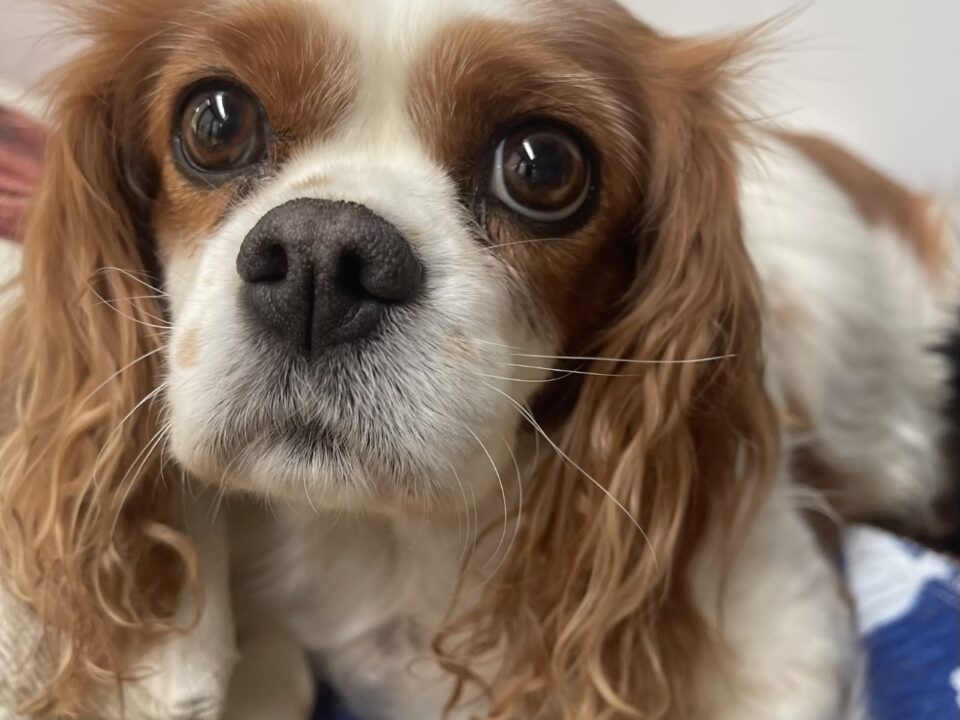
x=143, y=706
x=179, y=680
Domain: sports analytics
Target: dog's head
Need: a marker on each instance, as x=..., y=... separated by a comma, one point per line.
x=348, y=255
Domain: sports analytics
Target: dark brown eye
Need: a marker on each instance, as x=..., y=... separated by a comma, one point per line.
x=222, y=129
x=541, y=172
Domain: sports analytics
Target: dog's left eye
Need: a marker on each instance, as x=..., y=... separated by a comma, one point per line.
x=542, y=172
x=222, y=129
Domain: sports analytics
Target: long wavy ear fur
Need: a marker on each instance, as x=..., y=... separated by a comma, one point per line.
x=86, y=538
x=594, y=609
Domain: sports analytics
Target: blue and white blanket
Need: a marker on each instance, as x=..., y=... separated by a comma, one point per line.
x=908, y=602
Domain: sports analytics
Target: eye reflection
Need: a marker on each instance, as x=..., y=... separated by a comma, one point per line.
x=542, y=173
x=222, y=129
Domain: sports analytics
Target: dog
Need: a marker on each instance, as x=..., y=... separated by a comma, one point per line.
x=513, y=353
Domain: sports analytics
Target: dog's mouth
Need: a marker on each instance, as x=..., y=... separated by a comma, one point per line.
x=306, y=441
x=335, y=423
x=377, y=421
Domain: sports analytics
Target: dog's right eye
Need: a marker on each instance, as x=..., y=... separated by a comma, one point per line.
x=222, y=129
x=543, y=173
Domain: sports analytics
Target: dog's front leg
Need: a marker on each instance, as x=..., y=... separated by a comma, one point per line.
x=186, y=677
x=788, y=627
x=273, y=681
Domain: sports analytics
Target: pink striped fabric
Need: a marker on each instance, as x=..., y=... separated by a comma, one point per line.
x=21, y=152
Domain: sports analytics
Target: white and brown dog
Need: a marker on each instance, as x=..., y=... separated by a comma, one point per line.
x=512, y=346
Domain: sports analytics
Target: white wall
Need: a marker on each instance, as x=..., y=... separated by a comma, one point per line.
x=882, y=75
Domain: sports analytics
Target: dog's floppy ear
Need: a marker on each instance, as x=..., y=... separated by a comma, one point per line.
x=86, y=538
x=594, y=609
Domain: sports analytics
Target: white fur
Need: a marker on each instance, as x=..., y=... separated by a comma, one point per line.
x=791, y=633
x=187, y=678
x=852, y=323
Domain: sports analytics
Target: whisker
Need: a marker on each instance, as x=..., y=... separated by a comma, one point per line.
x=164, y=459
x=306, y=492
x=519, y=515
x=626, y=361
x=109, y=303
x=237, y=461
x=113, y=434
x=143, y=457
x=519, y=380
x=132, y=298
x=568, y=373
x=503, y=492
x=575, y=358
x=133, y=276
x=122, y=370
x=536, y=426
x=531, y=241
x=463, y=534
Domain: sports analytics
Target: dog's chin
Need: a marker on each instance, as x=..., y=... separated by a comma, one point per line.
x=314, y=469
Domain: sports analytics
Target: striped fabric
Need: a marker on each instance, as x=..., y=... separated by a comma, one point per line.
x=21, y=150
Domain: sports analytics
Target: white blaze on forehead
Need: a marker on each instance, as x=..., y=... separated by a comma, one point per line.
x=390, y=37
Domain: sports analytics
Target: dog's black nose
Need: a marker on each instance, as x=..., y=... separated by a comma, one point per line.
x=319, y=273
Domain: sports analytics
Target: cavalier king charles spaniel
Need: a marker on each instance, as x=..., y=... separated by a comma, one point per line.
x=513, y=357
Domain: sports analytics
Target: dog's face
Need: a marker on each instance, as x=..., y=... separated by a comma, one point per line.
x=378, y=226
x=373, y=241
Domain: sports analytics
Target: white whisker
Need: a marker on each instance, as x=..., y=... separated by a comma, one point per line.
x=625, y=361
x=523, y=381
x=133, y=277
x=533, y=422
x=531, y=241
x=503, y=492
x=568, y=373
x=110, y=438
x=103, y=301
x=122, y=370
x=519, y=516
x=143, y=458
x=463, y=534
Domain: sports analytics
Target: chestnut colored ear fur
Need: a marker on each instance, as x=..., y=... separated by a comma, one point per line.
x=87, y=537
x=593, y=610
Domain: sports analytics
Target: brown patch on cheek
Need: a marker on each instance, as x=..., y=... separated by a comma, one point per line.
x=188, y=349
x=880, y=200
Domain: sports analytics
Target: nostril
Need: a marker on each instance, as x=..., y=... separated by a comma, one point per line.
x=271, y=264
x=387, y=278
x=322, y=273
x=349, y=276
